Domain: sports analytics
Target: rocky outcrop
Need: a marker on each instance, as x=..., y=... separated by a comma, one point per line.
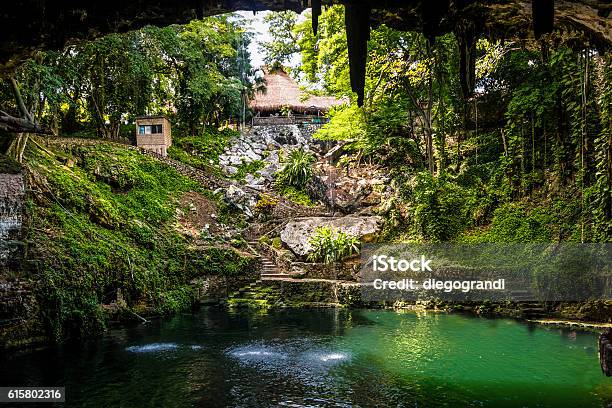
x=363, y=186
x=262, y=143
x=605, y=352
x=296, y=234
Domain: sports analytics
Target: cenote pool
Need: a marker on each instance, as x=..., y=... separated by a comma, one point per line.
x=323, y=358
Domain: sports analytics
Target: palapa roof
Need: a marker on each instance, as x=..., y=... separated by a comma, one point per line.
x=282, y=91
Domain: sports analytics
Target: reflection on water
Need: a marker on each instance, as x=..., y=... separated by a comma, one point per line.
x=152, y=348
x=333, y=357
x=321, y=358
x=159, y=347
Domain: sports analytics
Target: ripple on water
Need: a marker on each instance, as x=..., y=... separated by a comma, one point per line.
x=152, y=348
x=334, y=357
x=159, y=347
x=258, y=353
x=299, y=359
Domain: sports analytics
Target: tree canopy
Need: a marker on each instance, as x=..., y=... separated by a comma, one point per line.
x=199, y=74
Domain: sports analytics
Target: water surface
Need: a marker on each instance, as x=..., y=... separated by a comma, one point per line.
x=323, y=358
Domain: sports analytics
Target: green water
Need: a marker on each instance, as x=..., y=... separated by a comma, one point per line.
x=323, y=358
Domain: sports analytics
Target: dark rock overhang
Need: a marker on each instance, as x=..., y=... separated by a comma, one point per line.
x=30, y=25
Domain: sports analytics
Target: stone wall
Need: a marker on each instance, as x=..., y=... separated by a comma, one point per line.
x=309, y=129
x=20, y=324
x=313, y=293
x=12, y=198
x=213, y=288
x=347, y=270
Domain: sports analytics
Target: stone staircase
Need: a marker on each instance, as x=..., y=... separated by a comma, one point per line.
x=528, y=306
x=255, y=294
x=269, y=268
x=533, y=310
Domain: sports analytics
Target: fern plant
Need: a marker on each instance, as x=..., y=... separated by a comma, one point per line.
x=330, y=245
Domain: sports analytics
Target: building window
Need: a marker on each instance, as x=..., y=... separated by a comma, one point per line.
x=149, y=129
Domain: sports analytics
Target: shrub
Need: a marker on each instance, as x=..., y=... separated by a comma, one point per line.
x=248, y=168
x=442, y=209
x=298, y=169
x=515, y=223
x=296, y=195
x=265, y=205
x=277, y=243
x=203, y=150
x=330, y=245
x=347, y=122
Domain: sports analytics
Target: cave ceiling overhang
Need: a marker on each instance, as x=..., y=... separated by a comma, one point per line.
x=30, y=25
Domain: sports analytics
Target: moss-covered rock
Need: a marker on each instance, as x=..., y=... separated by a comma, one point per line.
x=109, y=223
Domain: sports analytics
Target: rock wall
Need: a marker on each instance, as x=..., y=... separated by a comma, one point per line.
x=12, y=198
x=262, y=143
x=347, y=270
x=316, y=293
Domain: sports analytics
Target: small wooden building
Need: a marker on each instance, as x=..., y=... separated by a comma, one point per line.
x=154, y=133
x=282, y=94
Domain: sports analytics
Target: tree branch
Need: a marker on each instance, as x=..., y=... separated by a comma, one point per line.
x=12, y=124
x=19, y=99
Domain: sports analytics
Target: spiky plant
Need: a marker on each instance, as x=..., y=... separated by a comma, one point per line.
x=298, y=169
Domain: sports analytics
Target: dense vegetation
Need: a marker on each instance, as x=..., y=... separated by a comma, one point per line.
x=526, y=158
x=199, y=74
x=291, y=180
x=106, y=219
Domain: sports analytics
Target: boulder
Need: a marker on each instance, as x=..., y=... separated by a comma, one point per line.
x=240, y=199
x=296, y=234
x=334, y=154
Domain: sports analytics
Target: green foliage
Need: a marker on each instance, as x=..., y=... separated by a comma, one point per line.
x=516, y=223
x=265, y=205
x=221, y=262
x=248, y=168
x=298, y=196
x=282, y=46
x=105, y=223
x=600, y=194
x=199, y=74
x=442, y=209
x=330, y=245
x=539, y=126
x=512, y=223
x=201, y=151
x=175, y=300
x=297, y=170
x=277, y=243
x=346, y=123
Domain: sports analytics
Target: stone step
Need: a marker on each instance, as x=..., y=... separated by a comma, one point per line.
x=279, y=275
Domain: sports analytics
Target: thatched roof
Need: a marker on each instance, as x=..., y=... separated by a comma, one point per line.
x=281, y=91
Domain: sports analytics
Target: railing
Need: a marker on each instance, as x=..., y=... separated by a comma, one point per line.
x=289, y=120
